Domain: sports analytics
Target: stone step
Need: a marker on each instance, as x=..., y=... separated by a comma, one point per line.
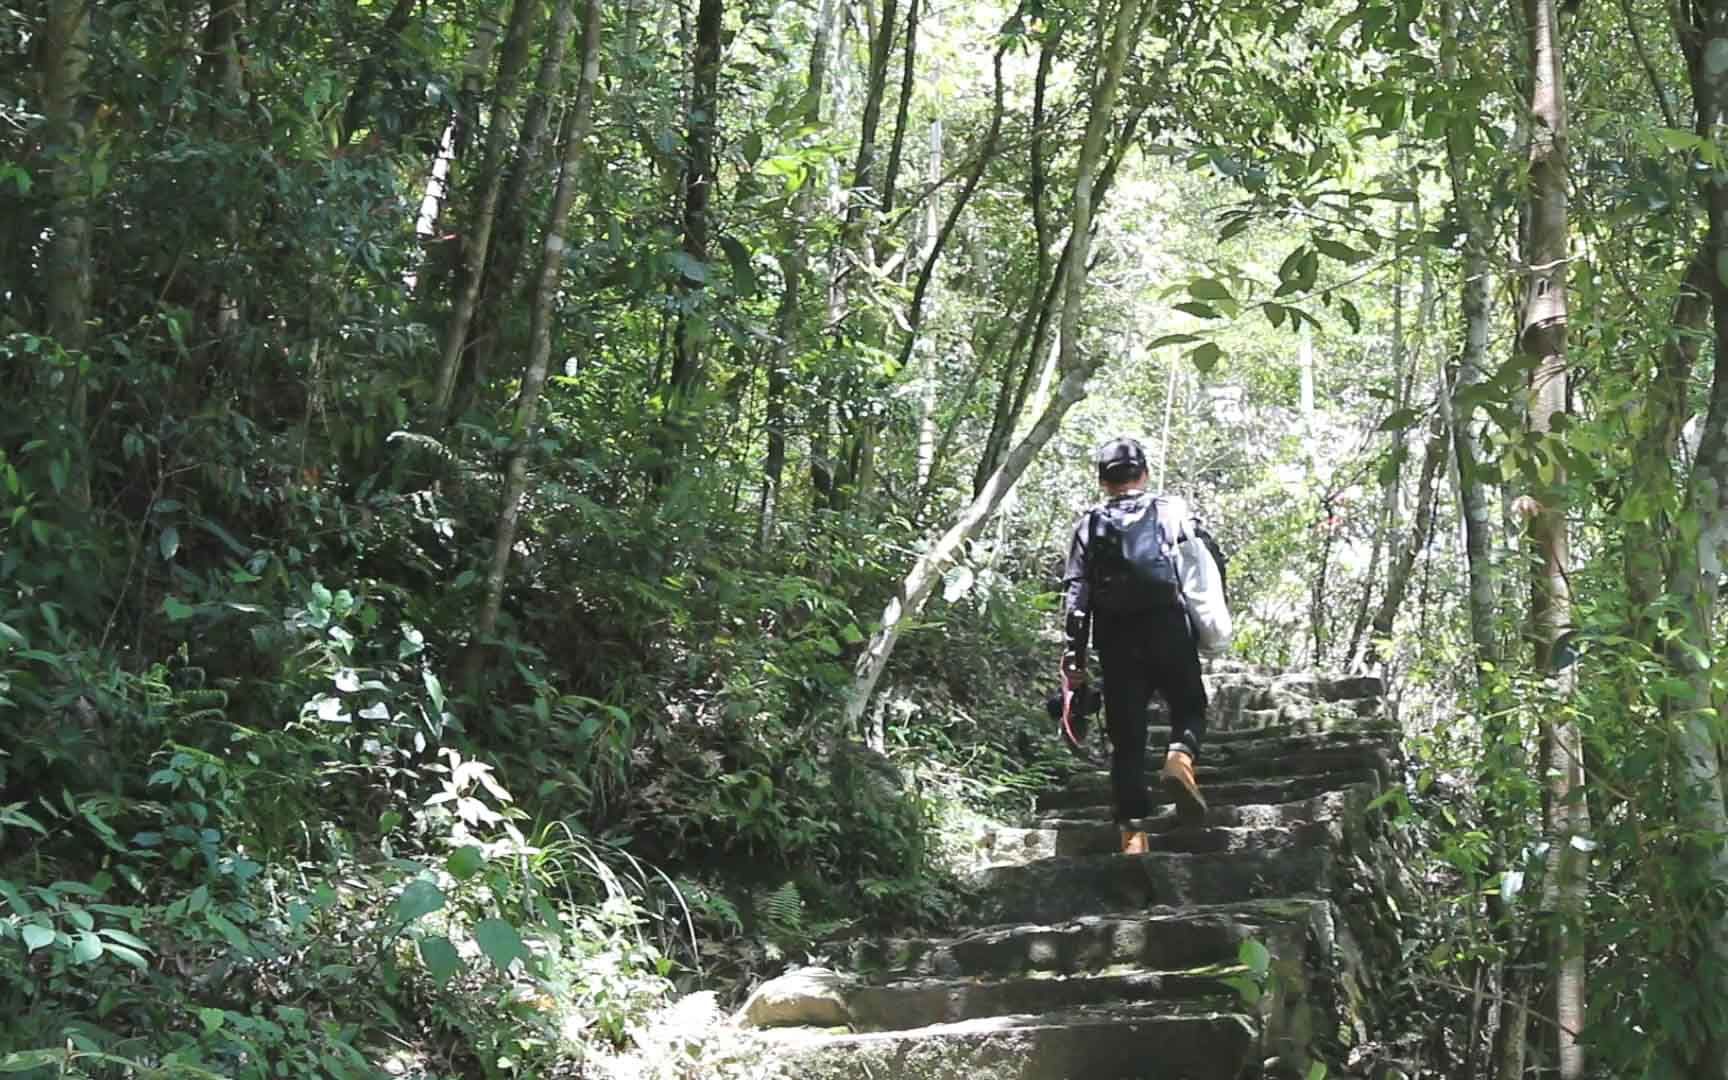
x=1008, y=847
x=911, y=1003
x=1062, y=887
x=1266, y=761
x=1172, y=939
x=1326, y=806
x=1313, y=687
x=1120, y=1042
x=1091, y=790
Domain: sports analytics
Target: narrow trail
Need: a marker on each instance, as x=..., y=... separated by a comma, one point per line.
x=1079, y=963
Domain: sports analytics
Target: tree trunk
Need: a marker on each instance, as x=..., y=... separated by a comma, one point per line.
x=526, y=173
x=438, y=261
x=1703, y=556
x=927, y=363
x=1475, y=308
x=915, y=589
x=65, y=61
x=1542, y=338
x=1404, y=361
x=788, y=318
x=490, y=187
x=687, y=374
x=1398, y=580
x=552, y=248
x=1013, y=386
x=891, y=175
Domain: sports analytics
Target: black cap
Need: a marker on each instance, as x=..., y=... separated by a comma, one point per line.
x=1121, y=459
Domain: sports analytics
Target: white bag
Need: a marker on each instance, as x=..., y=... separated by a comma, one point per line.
x=1202, y=585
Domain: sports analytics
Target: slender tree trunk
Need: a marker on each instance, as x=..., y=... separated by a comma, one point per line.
x=1476, y=310
x=915, y=589
x=794, y=267
x=1663, y=415
x=222, y=80
x=1702, y=27
x=65, y=60
x=704, y=121
x=927, y=363
x=1542, y=338
x=891, y=176
x=490, y=187
x=552, y=248
x=939, y=241
x=1386, y=529
x=1013, y=386
x=439, y=260
x=526, y=173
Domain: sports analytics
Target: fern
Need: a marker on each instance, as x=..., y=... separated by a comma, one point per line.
x=781, y=912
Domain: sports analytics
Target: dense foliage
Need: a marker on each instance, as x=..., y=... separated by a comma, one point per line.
x=463, y=461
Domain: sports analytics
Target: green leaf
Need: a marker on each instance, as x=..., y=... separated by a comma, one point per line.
x=465, y=862
x=1344, y=253
x=1171, y=339
x=176, y=609
x=1255, y=957
x=1317, y=1071
x=1206, y=357
x=86, y=947
x=1199, y=310
x=1351, y=315
x=1246, y=988
x=743, y=273
x=212, y=1019
x=30, y=1060
x=127, y=955
x=694, y=270
x=169, y=542
x=420, y=898
x=440, y=958
x=232, y=934
x=1400, y=420
x=37, y=937
x=1208, y=289
x=500, y=942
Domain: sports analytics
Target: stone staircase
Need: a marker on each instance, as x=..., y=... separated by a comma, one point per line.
x=1250, y=946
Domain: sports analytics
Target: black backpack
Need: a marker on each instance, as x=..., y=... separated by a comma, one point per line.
x=1132, y=557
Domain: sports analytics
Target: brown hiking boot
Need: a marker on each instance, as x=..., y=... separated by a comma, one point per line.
x=1133, y=842
x=1178, y=779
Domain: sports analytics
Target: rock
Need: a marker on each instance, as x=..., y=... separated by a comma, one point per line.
x=807, y=997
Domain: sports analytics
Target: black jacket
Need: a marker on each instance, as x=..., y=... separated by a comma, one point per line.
x=1077, y=576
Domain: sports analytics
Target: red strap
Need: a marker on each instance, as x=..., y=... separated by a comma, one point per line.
x=1068, y=711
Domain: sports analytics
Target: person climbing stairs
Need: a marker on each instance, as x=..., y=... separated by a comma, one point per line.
x=1239, y=945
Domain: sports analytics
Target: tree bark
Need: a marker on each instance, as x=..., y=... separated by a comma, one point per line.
x=891, y=175
x=552, y=248
x=1017, y=374
x=687, y=372
x=1542, y=338
x=915, y=589
x=788, y=317
x=927, y=363
x=65, y=62
x=1702, y=28
x=490, y=186
x=504, y=259
x=1476, y=311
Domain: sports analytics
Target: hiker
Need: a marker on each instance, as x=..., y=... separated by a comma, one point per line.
x=1123, y=593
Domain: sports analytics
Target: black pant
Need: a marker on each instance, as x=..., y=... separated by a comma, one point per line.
x=1142, y=653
